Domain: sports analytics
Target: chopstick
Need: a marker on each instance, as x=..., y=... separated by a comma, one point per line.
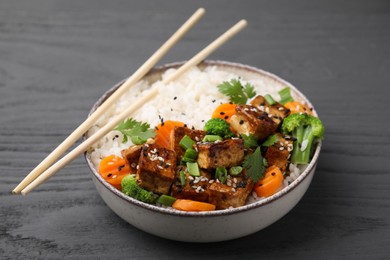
x=131, y=81
x=131, y=109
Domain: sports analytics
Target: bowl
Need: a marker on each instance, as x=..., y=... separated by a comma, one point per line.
x=209, y=226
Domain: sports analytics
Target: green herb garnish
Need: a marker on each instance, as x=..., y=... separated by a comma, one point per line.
x=269, y=99
x=236, y=92
x=166, y=200
x=254, y=165
x=182, y=178
x=221, y=174
x=249, y=141
x=138, y=132
x=271, y=140
x=186, y=142
x=285, y=96
x=211, y=138
x=193, y=169
x=235, y=170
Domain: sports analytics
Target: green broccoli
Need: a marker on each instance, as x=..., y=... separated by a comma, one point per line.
x=305, y=128
x=217, y=126
x=132, y=189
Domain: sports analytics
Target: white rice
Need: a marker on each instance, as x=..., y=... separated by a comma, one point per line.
x=190, y=99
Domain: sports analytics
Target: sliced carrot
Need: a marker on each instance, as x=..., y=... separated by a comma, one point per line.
x=224, y=111
x=192, y=205
x=163, y=132
x=270, y=183
x=297, y=107
x=113, y=168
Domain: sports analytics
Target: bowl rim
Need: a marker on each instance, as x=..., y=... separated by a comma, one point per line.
x=169, y=211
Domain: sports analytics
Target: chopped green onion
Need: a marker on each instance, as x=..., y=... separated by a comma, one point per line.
x=182, y=178
x=269, y=99
x=271, y=140
x=190, y=155
x=235, y=170
x=285, y=95
x=212, y=138
x=166, y=200
x=221, y=174
x=186, y=142
x=193, y=169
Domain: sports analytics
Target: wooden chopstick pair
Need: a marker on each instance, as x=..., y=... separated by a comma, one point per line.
x=42, y=172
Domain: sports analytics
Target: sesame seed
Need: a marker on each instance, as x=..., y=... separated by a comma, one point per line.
x=174, y=98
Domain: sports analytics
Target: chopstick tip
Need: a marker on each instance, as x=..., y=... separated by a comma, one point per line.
x=243, y=22
x=201, y=10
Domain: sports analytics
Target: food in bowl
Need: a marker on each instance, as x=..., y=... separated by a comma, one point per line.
x=209, y=141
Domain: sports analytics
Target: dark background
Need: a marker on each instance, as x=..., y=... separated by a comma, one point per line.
x=57, y=58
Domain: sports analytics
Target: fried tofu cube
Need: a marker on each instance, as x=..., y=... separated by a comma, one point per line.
x=195, y=188
x=132, y=155
x=251, y=120
x=233, y=193
x=156, y=168
x=278, y=154
x=227, y=153
x=277, y=111
x=178, y=133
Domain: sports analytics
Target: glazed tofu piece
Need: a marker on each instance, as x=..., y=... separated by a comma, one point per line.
x=251, y=120
x=132, y=155
x=279, y=153
x=233, y=193
x=156, y=168
x=195, y=188
x=178, y=133
x=277, y=111
x=227, y=153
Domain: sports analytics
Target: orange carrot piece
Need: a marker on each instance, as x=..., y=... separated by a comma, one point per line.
x=270, y=183
x=163, y=132
x=192, y=205
x=224, y=111
x=297, y=107
x=113, y=168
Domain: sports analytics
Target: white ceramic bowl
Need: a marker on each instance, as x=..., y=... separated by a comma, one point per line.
x=215, y=225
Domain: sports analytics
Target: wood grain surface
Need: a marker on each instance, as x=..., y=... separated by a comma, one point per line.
x=57, y=58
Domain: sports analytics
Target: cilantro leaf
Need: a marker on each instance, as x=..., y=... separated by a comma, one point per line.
x=254, y=165
x=271, y=140
x=249, y=141
x=249, y=90
x=137, y=131
x=236, y=92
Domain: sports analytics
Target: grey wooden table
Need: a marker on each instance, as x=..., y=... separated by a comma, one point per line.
x=57, y=57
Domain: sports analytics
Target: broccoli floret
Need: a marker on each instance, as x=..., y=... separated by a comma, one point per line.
x=306, y=129
x=217, y=126
x=132, y=189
